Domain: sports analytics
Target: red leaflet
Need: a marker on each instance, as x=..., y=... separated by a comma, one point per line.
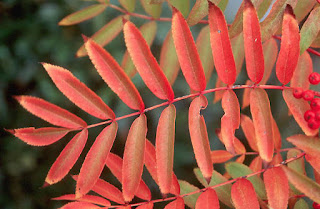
x=82, y=205
x=248, y=130
x=230, y=120
x=176, y=204
x=187, y=52
x=290, y=48
x=165, y=148
x=256, y=164
x=309, y=144
x=78, y=92
x=87, y=198
x=276, y=135
x=220, y=156
x=252, y=43
x=50, y=112
x=114, y=76
x=95, y=160
x=106, y=190
x=145, y=206
x=114, y=163
x=208, y=200
x=67, y=157
x=146, y=64
x=39, y=136
x=221, y=46
x=133, y=157
x=277, y=187
x=199, y=136
x=314, y=162
x=303, y=70
x=262, y=120
x=150, y=162
x=243, y=195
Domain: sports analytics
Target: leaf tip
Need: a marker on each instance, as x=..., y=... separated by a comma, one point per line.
x=85, y=38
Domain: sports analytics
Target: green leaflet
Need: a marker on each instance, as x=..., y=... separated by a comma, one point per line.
x=185, y=188
x=237, y=170
x=297, y=165
x=152, y=9
x=182, y=5
x=129, y=5
x=301, y=204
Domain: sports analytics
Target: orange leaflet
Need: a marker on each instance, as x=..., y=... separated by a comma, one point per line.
x=50, y=112
x=221, y=46
x=114, y=163
x=303, y=70
x=82, y=205
x=252, y=43
x=208, y=200
x=220, y=156
x=145, y=63
x=145, y=206
x=199, y=136
x=230, y=120
x=187, y=52
x=165, y=148
x=314, y=162
x=106, y=190
x=150, y=162
x=249, y=132
x=39, y=136
x=240, y=192
x=309, y=144
x=78, y=92
x=277, y=187
x=276, y=135
x=95, y=159
x=133, y=157
x=114, y=75
x=67, y=157
x=262, y=120
x=176, y=204
x=256, y=164
x=290, y=48
x=87, y=198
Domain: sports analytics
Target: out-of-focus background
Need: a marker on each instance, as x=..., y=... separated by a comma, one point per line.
x=29, y=34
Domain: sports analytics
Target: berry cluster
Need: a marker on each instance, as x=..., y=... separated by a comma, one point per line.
x=312, y=116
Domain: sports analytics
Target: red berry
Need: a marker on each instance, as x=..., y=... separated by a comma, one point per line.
x=317, y=115
x=308, y=95
x=315, y=205
x=313, y=124
x=315, y=104
x=309, y=114
x=314, y=78
x=297, y=93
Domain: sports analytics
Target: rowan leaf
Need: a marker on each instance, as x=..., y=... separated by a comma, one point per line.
x=309, y=144
x=152, y=9
x=301, y=204
x=277, y=188
x=237, y=45
x=165, y=148
x=146, y=64
x=67, y=158
x=148, y=31
x=221, y=46
x=249, y=131
x=176, y=204
x=262, y=120
x=129, y=5
x=263, y=8
x=205, y=52
x=237, y=170
x=306, y=185
x=256, y=164
x=240, y=191
x=187, y=52
x=133, y=157
x=107, y=190
x=186, y=187
x=78, y=92
x=50, y=112
x=316, y=42
x=313, y=161
x=145, y=206
x=298, y=107
x=86, y=198
x=208, y=199
x=218, y=94
x=95, y=159
x=114, y=76
x=289, y=49
x=83, y=15
x=277, y=159
x=230, y=121
x=114, y=163
x=39, y=136
x=220, y=156
x=277, y=140
x=301, y=73
x=182, y=5
x=82, y=205
x=199, y=136
x=169, y=62
x=298, y=165
x=252, y=43
x=303, y=8
x=198, y=11
x=310, y=29
x=105, y=35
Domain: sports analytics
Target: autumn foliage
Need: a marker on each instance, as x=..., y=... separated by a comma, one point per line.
x=266, y=180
